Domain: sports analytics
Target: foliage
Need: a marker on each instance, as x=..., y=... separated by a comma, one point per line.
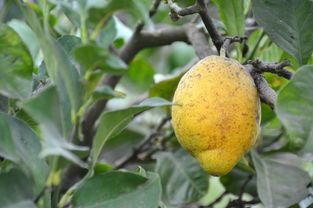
x=55, y=56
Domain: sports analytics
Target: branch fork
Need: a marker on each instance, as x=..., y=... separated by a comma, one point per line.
x=275, y=68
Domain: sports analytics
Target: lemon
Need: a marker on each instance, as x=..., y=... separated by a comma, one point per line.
x=217, y=115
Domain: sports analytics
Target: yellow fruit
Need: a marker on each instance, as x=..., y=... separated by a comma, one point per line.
x=216, y=118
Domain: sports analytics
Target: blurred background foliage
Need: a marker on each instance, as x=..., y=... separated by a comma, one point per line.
x=53, y=54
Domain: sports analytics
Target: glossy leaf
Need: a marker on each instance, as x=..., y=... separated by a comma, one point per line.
x=166, y=88
x=60, y=69
x=183, y=180
x=232, y=14
x=119, y=189
x=16, y=65
x=112, y=123
x=122, y=144
x=141, y=74
x=16, y=190
x=106, y=92
x=234, y=181
x=288, y=24
x=104, y=12
x=17, y=139
x=279, y=184
x=69, y=42
x=108, y=34
x=54, y=119
x=28, y=36
x=295, y=107
x=4, y=104
x=272, y=53
x=92, y=57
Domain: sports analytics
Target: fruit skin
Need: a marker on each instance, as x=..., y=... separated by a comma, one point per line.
x=217, y=115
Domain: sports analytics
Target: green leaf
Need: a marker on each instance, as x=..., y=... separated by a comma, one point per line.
x=267, y=114
x=69, y=42
x=108, y=34
x=106, y=92
x=54, y=119
x=16, y=190
x=4, y=102
x=27, y=35
x=271, y=53
x=102, y=168
x=294, y=107
x=232, y=14
x=119, y=189
x=60, y=69
x=141, y=74
x=92, y=57
x=279, y=184
x=166, y=88
x=183, y=180
x=16, y=65
x=288, y=24
x=112, y=123
x=20, y=144
x=103, y=12
x=120, y=145
x=234, y=181
x=181, y=55
x=125, y=138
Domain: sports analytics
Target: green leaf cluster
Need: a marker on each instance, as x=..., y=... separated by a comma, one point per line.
x=56, y=57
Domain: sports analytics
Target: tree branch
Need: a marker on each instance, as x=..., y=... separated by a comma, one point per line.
x=217, y=38
x=183, y=11
x=154, y=8
x=241, y=204
x=243, y=187
x=266, y=93
x=201, y=8
x=256, y=68
x=199, y=41
x=228, y=41
x=123, y=161
x=140, y=40
x=148, y=39
x=152, y=12
x=275, y=68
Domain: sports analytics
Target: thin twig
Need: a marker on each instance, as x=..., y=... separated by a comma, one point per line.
x=217, y=38
x=154, y=8
x=257, y=68
x=243, y=187
x=152, y=12
x=201, y=8
x=266, y=93
x=217, y=200
x=183, y=11
x=275, y=68
x=228, y=41
x=241, y=204
x=125, y=160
